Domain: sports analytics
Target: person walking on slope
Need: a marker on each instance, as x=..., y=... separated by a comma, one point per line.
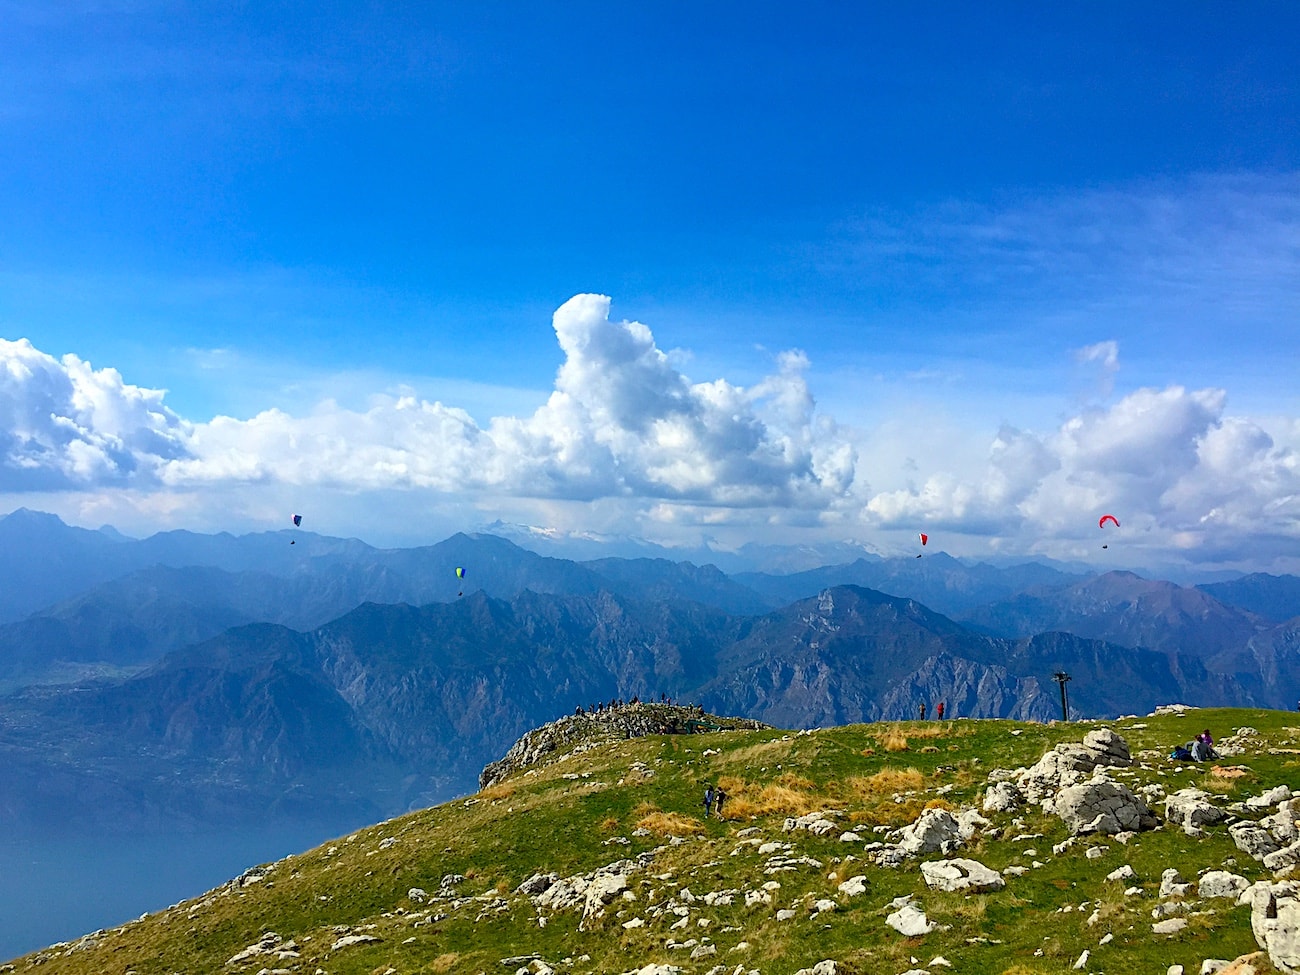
x=718, y=798
x=708, y=801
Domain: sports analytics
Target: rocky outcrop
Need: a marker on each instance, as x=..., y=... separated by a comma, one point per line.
x=591, y=728
x=1067, y=764
x=1275, y=922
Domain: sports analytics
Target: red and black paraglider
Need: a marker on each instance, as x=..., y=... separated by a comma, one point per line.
x=924, y=538
x=297, y=523
x=1101, y=523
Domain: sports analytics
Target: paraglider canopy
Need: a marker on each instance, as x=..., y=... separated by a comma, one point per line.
x=297, y=520
x=460, y=573
x=924, y=538
x=1101, y=523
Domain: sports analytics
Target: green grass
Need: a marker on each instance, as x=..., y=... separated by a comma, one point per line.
x=547, y=822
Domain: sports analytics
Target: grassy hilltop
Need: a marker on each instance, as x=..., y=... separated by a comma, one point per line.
x=348, y=907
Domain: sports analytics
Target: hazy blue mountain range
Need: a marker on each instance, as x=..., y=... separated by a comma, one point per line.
x=392, y=706
x=241, y=678
x=1275, y=598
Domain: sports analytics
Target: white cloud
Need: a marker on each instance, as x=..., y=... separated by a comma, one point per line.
x=626, y=442
x=64, y=424
x=621, y=421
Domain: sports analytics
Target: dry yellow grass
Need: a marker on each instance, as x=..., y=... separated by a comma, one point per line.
x=785, y=797
x=792, y=781
x=1229, y=771
x=670, y=824
x=443, y=963
x=940, y=804
x=887, y=781
x=893, y=740
x=609, y=824
x=929, y=749
x=502, y=790
x=767, y=752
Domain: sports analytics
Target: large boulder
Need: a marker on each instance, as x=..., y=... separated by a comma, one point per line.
x=1285, y=823
x=1221, y=883
x=935, y=831
x=961, y=874
x=1253, y=839
x=1101, y=806
x=1191, y=808
x=1279, y=860
x=1275, y=921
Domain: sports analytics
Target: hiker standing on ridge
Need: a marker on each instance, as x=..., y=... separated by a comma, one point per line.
x=921, y=710
x=939, y=710
x=708, y=801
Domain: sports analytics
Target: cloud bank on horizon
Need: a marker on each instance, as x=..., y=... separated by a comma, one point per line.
x=627, y=442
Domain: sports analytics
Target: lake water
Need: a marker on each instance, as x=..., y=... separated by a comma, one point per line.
x=59, y=889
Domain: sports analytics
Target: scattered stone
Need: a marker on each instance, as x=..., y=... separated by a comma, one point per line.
x=538, y=883
x=1221, y=883
x=1169, y=927
x=1123, y=873
x=348, y=940
x=1253, y=839
x=909, y=920
x=1280, y=860
x=1172, y=885
x=1275, y=921
x=960, y=874
x=1003, y=797
x=854, y=886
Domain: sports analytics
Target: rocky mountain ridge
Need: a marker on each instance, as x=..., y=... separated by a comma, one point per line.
x=905, y=849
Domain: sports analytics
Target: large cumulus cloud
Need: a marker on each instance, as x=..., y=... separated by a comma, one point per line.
x=621, y=421
x=64, y=424
x=1182, y=474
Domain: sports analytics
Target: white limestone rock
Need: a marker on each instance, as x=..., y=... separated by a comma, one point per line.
x=961, y=874
x=1275, y=921
x=909, y=919
x=1003, y=797
x=1221, y=883
x=1253, y=839
x=1191, y=807
x=935, y=831
x=854, y=886
x=1100, y=806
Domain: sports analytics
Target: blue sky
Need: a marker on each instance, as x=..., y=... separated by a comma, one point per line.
x=999, y=236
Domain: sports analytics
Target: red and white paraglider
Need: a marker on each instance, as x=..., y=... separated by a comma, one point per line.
x=924, y=538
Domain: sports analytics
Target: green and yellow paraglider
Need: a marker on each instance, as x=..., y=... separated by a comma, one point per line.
x=460, y=574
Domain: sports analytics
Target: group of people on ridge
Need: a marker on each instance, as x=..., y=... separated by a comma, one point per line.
x=938, y=711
